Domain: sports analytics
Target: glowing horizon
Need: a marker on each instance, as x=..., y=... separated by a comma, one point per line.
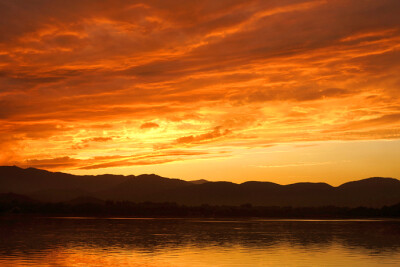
x=280, y=91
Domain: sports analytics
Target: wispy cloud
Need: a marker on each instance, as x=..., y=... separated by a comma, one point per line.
x=82, y=79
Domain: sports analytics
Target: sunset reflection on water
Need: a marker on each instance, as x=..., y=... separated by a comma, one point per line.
x=189, y=242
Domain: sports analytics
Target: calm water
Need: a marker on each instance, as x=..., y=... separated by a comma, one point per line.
x=197, y=242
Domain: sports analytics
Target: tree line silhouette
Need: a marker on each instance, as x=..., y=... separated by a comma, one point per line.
x=17, y=204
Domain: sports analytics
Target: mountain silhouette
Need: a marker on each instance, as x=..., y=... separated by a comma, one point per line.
x=48, y=186
x=141, y=187
x=54, y=186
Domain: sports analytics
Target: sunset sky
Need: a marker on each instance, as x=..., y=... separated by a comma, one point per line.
x=282, y=91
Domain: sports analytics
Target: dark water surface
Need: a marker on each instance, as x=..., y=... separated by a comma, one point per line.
x=197, y=242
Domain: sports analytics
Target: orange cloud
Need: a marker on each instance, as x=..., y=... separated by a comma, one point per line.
x=100, y=162
x=148, y=125
x=217, y=132
x=82, y=81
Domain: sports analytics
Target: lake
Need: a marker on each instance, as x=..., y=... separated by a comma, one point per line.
x=29, y=241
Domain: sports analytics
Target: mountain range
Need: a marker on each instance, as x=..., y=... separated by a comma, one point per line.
x=48, y=186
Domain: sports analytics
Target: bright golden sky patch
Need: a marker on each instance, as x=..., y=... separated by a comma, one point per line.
x=209, y=89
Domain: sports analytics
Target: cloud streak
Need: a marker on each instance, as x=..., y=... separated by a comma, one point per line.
x=82, y=80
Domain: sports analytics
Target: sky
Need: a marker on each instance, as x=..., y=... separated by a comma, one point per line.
x=283, y=91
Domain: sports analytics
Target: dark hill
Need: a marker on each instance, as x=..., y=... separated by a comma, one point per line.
x=201, y=181
x=55, y=186
x=15, y=198
x=142, y=188
x=369, y=192
x=256, y=193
